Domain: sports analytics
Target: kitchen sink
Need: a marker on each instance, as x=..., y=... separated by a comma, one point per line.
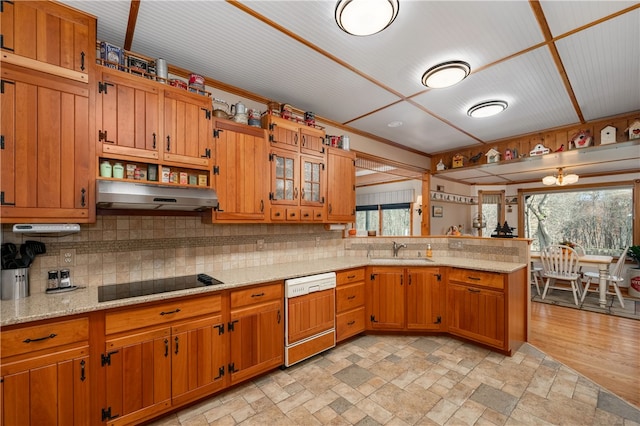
x=400, y=260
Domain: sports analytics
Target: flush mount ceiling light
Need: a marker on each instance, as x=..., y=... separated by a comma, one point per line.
x=487, y=109
x=446, y=74
x=560, y=179
x=365, y=17
x=396, y=123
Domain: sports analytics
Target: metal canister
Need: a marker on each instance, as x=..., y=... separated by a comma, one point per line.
x=162, y=70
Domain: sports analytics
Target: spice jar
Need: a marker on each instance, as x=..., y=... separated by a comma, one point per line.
x=52, y=281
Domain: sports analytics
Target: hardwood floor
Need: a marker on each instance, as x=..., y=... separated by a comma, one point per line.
x=604, y=348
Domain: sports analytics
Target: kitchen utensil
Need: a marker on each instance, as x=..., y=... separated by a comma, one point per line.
x=238, y=108
x=218, y=112
x=15, y=283
x=26, y=255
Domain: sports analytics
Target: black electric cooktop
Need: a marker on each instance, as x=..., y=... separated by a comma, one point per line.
x=145, y=288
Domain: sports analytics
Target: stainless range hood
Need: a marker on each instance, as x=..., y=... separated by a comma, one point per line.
x=140, y=196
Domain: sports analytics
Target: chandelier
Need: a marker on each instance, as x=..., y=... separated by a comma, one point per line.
x=560, y=179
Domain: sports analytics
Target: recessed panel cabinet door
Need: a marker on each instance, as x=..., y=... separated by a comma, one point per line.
x=387, y=306
x=47, y=155
x=187, y=128
x=341, y=186
x=425, y=299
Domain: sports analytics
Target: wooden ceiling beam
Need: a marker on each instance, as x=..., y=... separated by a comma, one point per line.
x=131, y=25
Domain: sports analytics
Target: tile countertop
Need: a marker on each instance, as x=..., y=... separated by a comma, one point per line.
x=44, y=306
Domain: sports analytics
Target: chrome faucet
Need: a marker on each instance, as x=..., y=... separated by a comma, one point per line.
x=397, y=247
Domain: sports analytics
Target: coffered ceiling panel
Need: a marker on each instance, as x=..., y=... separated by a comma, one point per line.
x=565, y=16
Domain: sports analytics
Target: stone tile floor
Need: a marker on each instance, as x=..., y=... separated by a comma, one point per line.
x=411, y=380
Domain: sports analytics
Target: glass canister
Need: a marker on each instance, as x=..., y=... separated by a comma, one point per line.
x=53, y=280
x=118, y=171
x=105, y=168
x=65, y=278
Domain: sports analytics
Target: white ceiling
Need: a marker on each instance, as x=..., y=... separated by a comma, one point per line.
x=293, y=52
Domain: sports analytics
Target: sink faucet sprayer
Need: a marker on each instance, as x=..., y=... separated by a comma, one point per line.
x=397, y=247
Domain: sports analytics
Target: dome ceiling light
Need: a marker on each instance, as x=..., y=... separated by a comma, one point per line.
x=446, y=74
x=560, y=179
x=365, y=17
x=487, y=109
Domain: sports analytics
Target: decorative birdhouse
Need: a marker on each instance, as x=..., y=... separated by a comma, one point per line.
x=440, y=166
x=608, y=135
x=493, y=156
x=634, y=130
x=457, y=161
x=539, y=150
x=581, y=139
x=508, y=154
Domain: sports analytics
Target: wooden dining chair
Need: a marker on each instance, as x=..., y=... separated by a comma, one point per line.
x=613, y=279
x=561, y=263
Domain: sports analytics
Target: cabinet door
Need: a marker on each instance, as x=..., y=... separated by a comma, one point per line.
x=256, y=339
x=311, y=140
x=241, y=172
x=285, y=178
x=48, y=36
x=47, y=161
x=128, y=116
x=197, y=358
x=386, y=310
x=341, y=186
x=425, y=299
x=283, y=133
x=50, y=394
x=187, y=128
x=138, y=375
x=313, y=181
x=477, y=314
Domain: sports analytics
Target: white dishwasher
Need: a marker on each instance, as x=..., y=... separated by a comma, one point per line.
x=310, y=320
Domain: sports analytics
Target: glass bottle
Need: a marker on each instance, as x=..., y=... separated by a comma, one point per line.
x=429, y=252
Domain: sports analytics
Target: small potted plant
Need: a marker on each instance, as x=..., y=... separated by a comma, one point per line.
x=634, y=273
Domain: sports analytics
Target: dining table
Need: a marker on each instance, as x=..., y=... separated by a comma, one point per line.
x=602, y=262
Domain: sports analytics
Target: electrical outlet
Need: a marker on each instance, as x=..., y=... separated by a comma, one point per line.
x=455, y=245
x=317, y=241
x=67, y=257
x=260, y=245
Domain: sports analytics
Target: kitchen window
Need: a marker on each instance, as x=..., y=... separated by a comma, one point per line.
x=385, y=219
x=599, y=219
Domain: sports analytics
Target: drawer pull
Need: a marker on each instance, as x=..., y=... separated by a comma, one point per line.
x=257, y=294
x=351, y=277
x=166, y=348
x=350, y=323
x=170, y=312
x=351, y=297
x=82, y=375
x=177, y=340
x=474, y=278
x=51, y=336
x=473, y=290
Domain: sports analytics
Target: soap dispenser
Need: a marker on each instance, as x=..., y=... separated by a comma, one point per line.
x=429, y=252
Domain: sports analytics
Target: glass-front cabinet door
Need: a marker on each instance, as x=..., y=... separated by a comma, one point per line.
x=313, y=181
x=284, y=179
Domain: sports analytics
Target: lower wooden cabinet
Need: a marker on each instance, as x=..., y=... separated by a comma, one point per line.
x=406, y=298
x=350, y=301
x=256, y=330
x=45, y=374
x=488, y=307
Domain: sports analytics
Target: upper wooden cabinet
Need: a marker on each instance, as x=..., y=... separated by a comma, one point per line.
x=49, y=37
x=187, y=135
x=128, y=115
x=241, y=172
x=47, y=160
x=311, y=140
x=283, y=133
x=341, y=185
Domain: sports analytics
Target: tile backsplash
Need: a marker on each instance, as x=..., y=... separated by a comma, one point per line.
x=119, y=249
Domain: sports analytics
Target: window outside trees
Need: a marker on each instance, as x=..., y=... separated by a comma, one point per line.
x=386, y=219
x=599, y=220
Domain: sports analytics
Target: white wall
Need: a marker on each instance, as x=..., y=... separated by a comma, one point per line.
x=453, y=213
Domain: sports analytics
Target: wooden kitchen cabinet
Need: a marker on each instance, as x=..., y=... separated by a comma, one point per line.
x=488, y=307
x=312, y=141
x=241, y=172
x=47, y=161
x=48, y=37
x=350, y=303
x=188, y=137
x=341, y=185
x=45, y=373
x=406, y=298
x=128, y=115
x=283, y=133
x=162, y=355
x=256, y=330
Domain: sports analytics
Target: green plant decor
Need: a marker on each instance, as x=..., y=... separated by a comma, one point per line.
x=634, y=253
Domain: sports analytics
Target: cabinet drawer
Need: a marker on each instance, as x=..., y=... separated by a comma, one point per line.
x=45, y=336
x=349, y=296
x=308, y=214
x=349, y=323
x=256, y=294
x=163, y=313
x=350, y=276
x=482, y=278
x=285, y=213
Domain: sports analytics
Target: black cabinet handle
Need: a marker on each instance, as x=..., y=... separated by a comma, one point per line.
x=83, y=201
x=257, y=294
x=170, y=312
x=351, y=276
x=168, y=143
x=166, y=348
x=295, y=139
x=39, y=339
x=473, y=290
x=279, y=316
x=154, y=140
x=350, y=323
x=474, y=278
x=351, y=297
x=177, y=340
x=82, y=373
x=82, y=55
x=261, y=206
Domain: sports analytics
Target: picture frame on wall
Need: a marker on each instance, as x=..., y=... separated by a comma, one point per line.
x=436, y=211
